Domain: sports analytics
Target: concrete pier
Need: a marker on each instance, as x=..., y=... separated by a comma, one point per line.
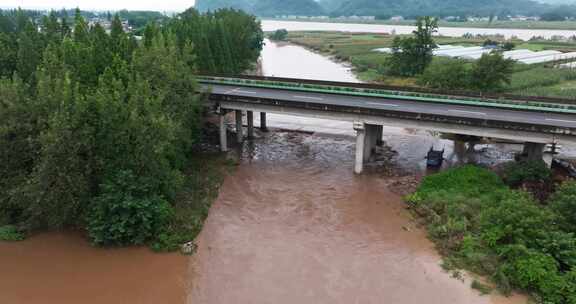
x=360, y=143
x=250, y=119
x=239, y=135
x=223, y=132
x=367, y=137
x=379, y=136
x=263, y=127
x=533, y=151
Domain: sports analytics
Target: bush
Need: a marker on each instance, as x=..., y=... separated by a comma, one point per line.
x=446, y=74
x=279, y=35
x=126, y=214
x=563, y=202
x=10, y=233
x=483, y=226
x=517, y=173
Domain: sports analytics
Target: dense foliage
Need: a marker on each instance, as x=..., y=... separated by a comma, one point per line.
x=492, y=72
x=279, y=35
x=411, y=55
x=96, y=127
x=485, y=227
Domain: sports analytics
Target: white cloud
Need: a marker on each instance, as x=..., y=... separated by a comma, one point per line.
x=163, y=5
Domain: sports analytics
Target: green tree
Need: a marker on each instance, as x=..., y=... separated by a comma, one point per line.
x=279, y=35
x=446, y=75
x=563, y=202
x=411, y=55
x=491, y=72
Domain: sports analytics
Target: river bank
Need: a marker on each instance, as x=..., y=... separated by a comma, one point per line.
x=522, y=34
x=357, y=50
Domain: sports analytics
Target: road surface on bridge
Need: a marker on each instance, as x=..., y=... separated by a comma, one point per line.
x=399, y=105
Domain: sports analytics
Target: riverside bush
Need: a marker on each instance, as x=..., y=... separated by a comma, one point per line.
x=483, y=226
x=516, y=173
x=126, y=213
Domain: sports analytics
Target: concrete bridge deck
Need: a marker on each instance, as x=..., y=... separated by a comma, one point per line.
x=369, y=113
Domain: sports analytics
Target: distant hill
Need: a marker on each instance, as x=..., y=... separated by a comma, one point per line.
x=285, y=7
x=387, y=8
x=557, y=1
x=437, y=7
x=267, y=8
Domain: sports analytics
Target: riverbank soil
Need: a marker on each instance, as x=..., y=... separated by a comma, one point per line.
x=63, y=268
x=295, y=225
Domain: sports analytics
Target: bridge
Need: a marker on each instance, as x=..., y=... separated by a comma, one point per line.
x=535, y=122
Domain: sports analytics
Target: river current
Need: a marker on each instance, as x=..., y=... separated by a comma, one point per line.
x=293, y=224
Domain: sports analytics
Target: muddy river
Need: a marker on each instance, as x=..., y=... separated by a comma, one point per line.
x=292, y=225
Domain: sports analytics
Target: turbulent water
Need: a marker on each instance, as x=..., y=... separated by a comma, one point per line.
x=62, y=268
x=295, y=225
x=292, y=225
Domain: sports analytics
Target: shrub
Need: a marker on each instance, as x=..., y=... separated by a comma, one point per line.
x=125, y=213
x=516, y=173
x=491, y=72
x=563, y=202
x=279, y=35
x=483, y=226
x=10, y=233
x=446, y=74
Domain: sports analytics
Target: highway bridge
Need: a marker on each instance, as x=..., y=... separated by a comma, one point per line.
x=536, y=122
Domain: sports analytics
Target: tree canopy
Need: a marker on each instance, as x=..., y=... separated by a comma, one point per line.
x=96, y=127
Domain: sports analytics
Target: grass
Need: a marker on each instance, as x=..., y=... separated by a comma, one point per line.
x=357, y=49
x=204, y=177
x=10, y=233
x=482, y=288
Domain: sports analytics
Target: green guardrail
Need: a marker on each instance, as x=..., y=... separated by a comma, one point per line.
x=387, y=94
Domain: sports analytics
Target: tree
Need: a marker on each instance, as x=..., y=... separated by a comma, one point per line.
x=446, y=74
x=412, y=55
x=279, y=35
x=491, y=72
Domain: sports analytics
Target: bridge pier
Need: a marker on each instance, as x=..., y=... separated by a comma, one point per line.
x=367, y=137
x=360, y=142
x=533, y=151
x=239, y=135
x=263, y=127
x=250, y=118
x=379, y=135
x=223, y=132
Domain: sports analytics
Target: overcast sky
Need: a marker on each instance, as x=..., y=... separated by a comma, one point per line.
x=157, y=5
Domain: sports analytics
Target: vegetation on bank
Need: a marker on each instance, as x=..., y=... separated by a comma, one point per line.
x=371, y=66
x=490, y=226
x=98, y=131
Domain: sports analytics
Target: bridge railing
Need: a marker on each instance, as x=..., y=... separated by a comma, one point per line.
x=347, y=89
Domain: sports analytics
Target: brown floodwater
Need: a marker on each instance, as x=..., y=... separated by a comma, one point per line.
x=295, y=225
x=63, y=268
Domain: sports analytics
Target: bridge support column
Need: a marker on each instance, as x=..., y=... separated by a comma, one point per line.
x=239, y=135
x=263, y=127
x=379, y=135
x=370, y=140
x=223, y=132
x=360, y=143
x=533, y=151
x=250, y=118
